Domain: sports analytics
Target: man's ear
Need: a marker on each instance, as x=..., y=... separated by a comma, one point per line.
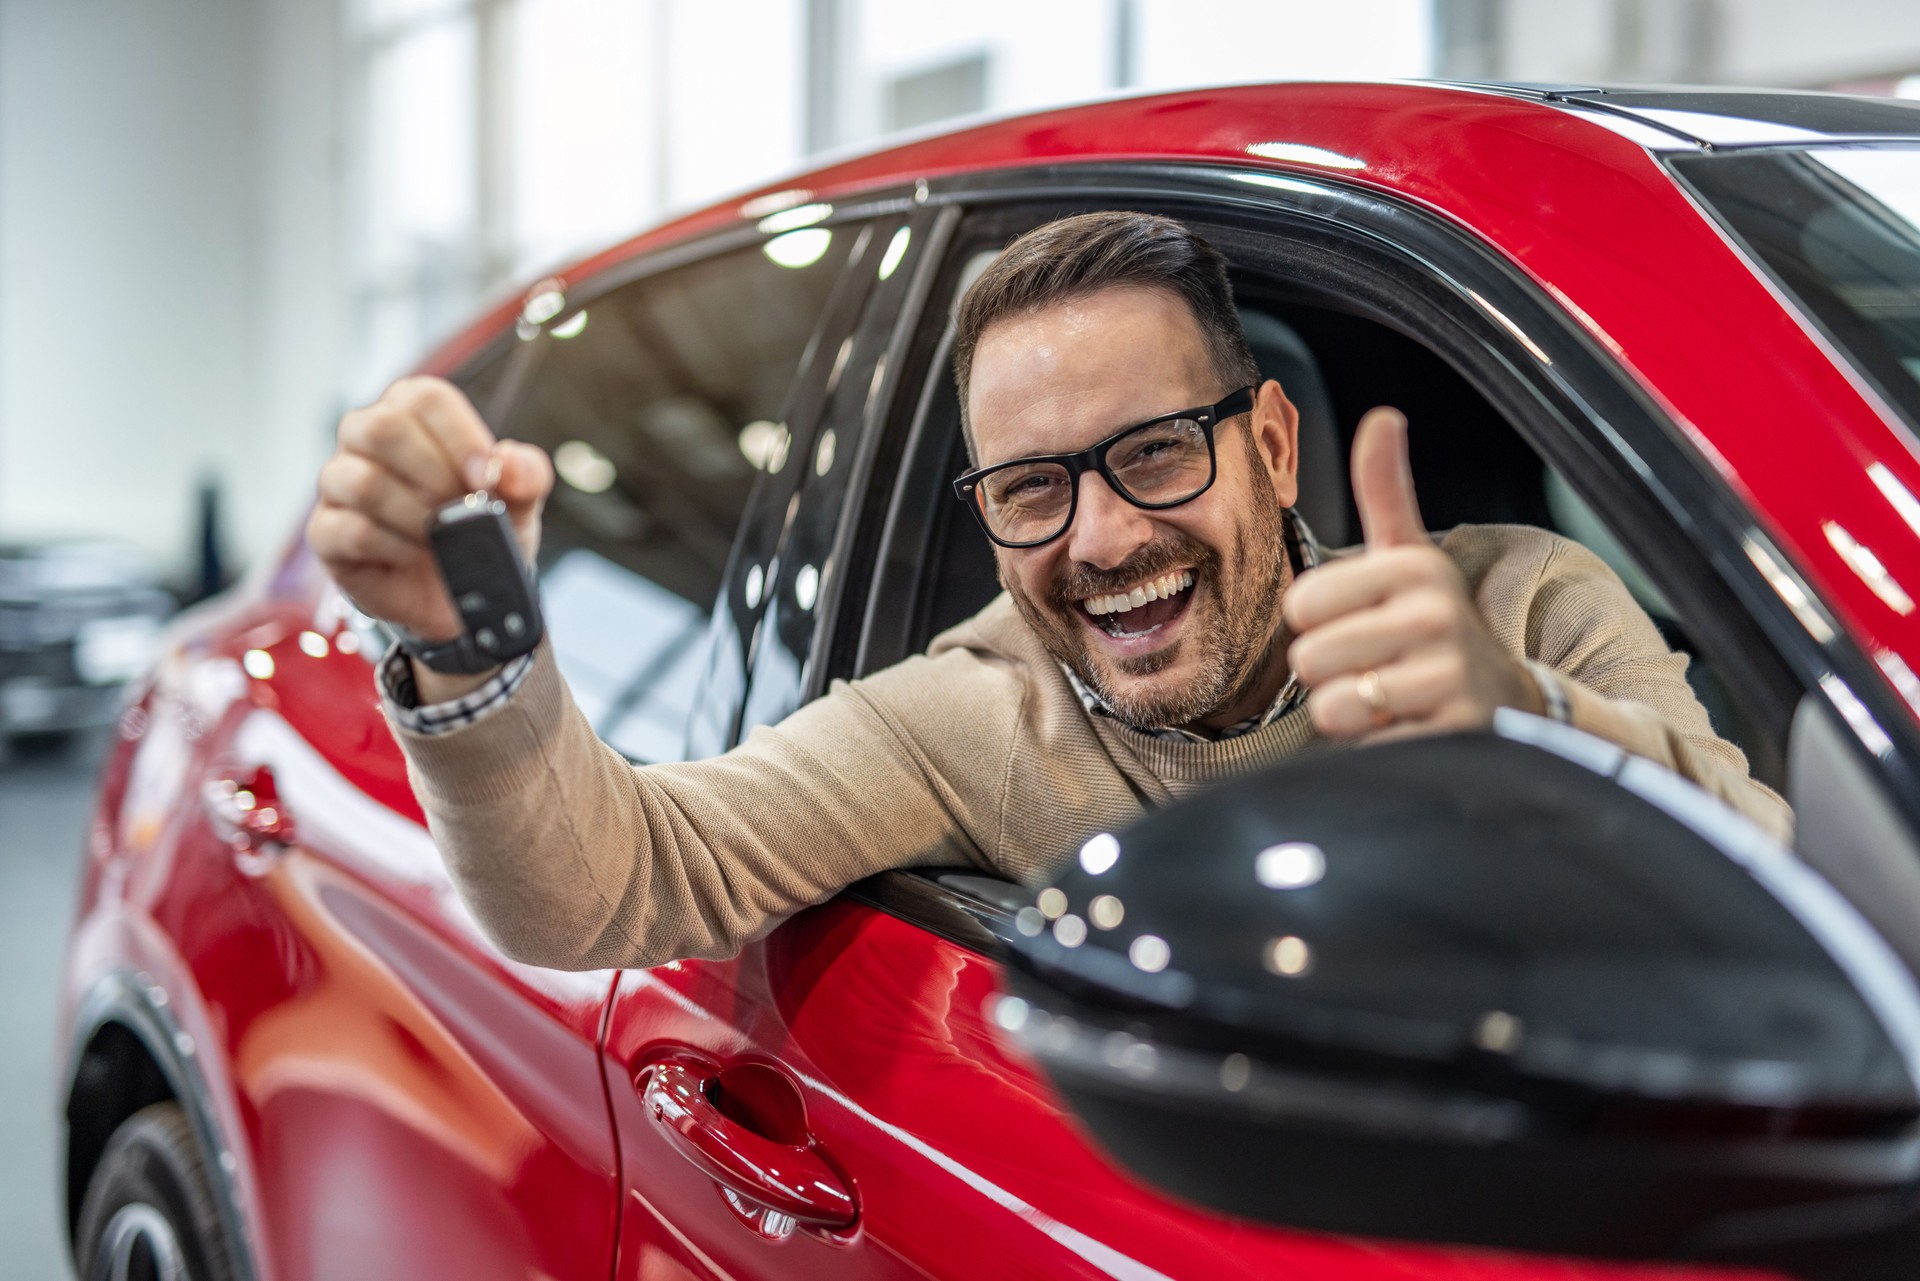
x=1274, y=428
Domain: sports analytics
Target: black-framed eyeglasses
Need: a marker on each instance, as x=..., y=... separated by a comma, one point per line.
x=1160, y=463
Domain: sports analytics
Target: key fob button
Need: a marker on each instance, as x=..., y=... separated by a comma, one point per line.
x=472, y=602
x=516, y=625
x=485, y=639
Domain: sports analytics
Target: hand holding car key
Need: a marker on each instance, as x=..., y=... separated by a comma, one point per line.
x=403, y=464
x=492, y=588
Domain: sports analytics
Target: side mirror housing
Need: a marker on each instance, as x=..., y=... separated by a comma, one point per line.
x=1536, y=995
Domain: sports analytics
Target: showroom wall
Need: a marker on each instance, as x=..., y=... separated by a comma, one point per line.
x=165, y=246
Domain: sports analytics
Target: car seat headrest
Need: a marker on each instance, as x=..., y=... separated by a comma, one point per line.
x=1284, y=357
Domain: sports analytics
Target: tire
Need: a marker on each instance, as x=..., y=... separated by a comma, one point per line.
x=149, y=1213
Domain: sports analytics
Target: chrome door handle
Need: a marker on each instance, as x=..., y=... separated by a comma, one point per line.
x=783, y=1172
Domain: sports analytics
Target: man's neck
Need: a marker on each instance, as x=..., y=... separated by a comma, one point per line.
x=1269, y=681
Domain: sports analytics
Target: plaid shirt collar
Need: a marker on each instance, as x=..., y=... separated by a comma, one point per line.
x=1304, y=550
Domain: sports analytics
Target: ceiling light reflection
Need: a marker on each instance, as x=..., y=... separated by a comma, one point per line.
x=1872, y=572
x=313, y=644
x=1301, y=153
x=1789, y=591
x=774, y=202
x=1106, y=911
x=1288, y=956
x=761, y=442
x=544, y=302
x=1896, y=493
x=572, y=326
x=1150, y=952
x=1052, y=902
x=896, y=250
x=799, y=249
x=798, y=216
x=258, y=663
x=1100, y=854
x=1901, y=675
x=584, y=467
x=1291, y=866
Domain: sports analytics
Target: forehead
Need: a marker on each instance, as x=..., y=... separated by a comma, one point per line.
x=1066, y=375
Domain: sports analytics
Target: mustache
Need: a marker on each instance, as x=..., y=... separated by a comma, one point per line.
x=1079, y=581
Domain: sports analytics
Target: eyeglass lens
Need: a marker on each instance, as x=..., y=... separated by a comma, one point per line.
x=1161, y=463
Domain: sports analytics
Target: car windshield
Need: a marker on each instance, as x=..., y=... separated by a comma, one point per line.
x=1839, y=227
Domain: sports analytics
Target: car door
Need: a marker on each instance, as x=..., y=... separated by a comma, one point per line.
x=677, y=395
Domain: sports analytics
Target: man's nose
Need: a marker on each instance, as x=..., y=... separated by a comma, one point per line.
x=1106, y=527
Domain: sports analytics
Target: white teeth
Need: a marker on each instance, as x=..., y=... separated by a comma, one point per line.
x=1160, y=588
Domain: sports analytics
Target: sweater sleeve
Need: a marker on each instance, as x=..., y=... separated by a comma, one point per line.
x=1624, y=684
x=571, y=857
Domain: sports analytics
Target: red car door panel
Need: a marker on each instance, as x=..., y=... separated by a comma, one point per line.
x=411, y=1104
x=961, y=1162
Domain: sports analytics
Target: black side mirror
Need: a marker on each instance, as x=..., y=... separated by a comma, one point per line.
x=1473, y=990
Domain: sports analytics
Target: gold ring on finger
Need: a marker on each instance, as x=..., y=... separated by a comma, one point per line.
x=1375, y=695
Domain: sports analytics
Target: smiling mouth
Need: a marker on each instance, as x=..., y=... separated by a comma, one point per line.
x=1143, y=608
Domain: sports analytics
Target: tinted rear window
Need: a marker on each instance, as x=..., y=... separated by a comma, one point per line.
x=1839, y=227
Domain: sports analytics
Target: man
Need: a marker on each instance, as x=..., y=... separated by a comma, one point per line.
x=1163, y=627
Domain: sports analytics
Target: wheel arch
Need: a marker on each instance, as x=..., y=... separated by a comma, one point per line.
x=129, y=1052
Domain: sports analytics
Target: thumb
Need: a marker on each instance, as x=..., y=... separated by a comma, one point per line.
x=1383, y=481
x=526, y=478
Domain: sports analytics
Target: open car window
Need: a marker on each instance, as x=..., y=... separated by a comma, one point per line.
x=1337, y=359
x=1470, y=467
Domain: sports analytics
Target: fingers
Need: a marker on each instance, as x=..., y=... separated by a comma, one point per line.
x=1418, y=694
x=1338, y=588
x=1372, y=637
x=1383, y=482
x=525, y=480
x=453, y=422
x=526, y=476
x=346, y=539
x=356, y=483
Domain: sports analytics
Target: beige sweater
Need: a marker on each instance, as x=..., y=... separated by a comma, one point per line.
x=977, y=752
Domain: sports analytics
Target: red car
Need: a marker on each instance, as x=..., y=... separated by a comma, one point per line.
x=1683, y=328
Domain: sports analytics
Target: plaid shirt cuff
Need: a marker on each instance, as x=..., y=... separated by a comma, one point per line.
x=403, y=696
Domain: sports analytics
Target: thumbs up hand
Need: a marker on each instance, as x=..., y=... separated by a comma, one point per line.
x=1388, y=641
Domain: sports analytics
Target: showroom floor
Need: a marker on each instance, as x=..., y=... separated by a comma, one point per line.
x=44, y=799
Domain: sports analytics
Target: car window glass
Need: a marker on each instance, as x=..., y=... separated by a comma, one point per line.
x=1840, y=229
x=659, y=402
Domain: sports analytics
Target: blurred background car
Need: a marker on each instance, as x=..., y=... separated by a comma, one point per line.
x=77, y=620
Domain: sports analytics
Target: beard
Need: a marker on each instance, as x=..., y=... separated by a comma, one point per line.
x=1232, y=621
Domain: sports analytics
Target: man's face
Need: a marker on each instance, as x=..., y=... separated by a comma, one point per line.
x=1060, y=379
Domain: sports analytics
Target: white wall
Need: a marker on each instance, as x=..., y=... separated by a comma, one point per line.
x=164, y=248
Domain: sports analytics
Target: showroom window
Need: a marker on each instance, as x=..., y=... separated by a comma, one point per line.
x=494, y=140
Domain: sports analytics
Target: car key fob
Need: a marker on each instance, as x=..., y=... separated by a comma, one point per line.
x=479, y=558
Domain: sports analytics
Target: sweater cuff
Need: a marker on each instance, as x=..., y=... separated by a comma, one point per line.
x=401, y=695
x=1634, y=726
x=495, y=756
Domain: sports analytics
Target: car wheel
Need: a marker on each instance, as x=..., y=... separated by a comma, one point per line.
x=149, y=1213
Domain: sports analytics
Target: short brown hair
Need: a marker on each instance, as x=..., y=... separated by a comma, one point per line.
x=1076, y=257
